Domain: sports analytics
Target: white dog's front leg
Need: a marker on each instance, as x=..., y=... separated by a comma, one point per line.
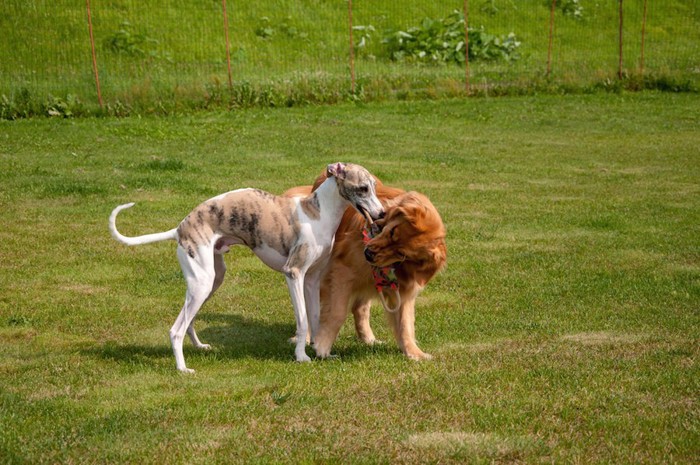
x=296, y=291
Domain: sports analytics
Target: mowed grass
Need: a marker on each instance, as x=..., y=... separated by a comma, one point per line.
x=565, y=327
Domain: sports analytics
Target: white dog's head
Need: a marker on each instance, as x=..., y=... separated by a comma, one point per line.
x=357, y=186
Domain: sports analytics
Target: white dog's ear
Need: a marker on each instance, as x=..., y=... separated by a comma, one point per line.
x=336, y=169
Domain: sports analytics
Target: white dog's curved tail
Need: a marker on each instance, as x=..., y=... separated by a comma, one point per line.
x=138, y=240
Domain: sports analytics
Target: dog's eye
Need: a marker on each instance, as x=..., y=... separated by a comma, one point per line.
x=393, y=233
x=363, y=189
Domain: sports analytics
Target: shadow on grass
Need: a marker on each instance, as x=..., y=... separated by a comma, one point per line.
x=351, y=349
x=231, y=337
x=234, y=337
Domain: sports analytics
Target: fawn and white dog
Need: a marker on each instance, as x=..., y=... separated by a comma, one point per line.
x=293, y=235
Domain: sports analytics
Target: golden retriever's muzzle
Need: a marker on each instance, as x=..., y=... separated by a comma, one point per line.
x=373, y=230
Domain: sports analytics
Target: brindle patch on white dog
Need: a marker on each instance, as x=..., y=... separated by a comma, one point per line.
x=249, y=216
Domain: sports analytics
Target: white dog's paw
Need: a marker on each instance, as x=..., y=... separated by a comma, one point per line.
x=186, y=370
x=302, y=357
x=204, y=347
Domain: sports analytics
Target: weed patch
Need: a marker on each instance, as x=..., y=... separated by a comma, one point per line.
x=442, y=41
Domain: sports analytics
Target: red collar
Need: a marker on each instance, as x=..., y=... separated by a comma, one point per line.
x=385, y=276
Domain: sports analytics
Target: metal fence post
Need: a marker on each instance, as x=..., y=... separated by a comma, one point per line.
x=352, y=49
x=619, y=69
x=644, y=27
x=228, y=47
x=466, y=46
x=551, y=37
x=94, y=55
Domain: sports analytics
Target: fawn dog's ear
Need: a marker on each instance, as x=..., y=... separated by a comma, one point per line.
x=336, y=169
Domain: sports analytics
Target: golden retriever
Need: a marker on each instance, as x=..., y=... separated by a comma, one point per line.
x=412, y=240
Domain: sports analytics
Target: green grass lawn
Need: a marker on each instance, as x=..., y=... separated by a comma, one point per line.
x=565, y=328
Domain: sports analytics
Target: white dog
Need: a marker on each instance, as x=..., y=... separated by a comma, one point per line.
x=292, y=235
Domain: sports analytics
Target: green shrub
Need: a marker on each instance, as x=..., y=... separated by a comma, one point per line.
x=124, y=41
x=572, y=8
x=24, y=105
x=266, y=29
x=442, y=41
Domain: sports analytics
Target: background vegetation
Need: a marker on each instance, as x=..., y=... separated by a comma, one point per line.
x=170, y=56
x=565, y=328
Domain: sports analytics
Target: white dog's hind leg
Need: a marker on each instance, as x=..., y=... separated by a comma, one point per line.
x=220, y=270
x=200, y=281
x=195, y=340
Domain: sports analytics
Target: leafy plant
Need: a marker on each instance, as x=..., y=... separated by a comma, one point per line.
x=279, y=398
x=362, y=39
x=18, y=107
x=489, y=7
x=364, y=36
x=125, y=41
x=442, y=41
x=570, y=8
x=266, y=29
x=63, y=108
x=24, y=105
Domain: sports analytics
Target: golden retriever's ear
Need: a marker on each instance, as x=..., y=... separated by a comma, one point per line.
x=415, y=214
x=388, y=202
x=416, y=208
x=432, y=266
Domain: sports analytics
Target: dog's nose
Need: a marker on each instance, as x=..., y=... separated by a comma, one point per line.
x=378, y=215
x=369, y=255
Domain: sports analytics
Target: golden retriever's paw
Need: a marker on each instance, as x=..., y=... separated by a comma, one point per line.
x=293, y=340
x=418, y=356
x=322, y=351
x=371, y=341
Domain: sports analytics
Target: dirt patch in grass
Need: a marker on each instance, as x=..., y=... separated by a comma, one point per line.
x=472, y=444
x=475, y=347
x=603, y=337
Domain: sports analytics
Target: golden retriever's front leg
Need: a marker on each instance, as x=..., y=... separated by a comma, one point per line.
x=334, y=310
x=403, y=324
x=361, y=313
